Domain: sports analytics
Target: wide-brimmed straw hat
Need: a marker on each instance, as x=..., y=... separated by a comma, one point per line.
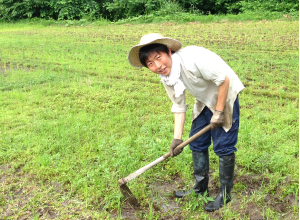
x=133, y=56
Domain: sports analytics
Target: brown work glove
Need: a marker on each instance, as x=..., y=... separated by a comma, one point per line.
x=174, y=144
x=217, y=119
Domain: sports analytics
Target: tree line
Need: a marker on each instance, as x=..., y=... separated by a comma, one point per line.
x=114, y=10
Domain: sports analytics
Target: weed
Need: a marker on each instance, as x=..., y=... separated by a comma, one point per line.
x=73, y=112
x=195, y=202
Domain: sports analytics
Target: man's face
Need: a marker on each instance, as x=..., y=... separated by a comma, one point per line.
x=160, y=63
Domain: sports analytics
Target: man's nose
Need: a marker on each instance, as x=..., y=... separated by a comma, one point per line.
x=158, y=64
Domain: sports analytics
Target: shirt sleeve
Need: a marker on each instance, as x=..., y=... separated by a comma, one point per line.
x=179, y=103
x=211, y=66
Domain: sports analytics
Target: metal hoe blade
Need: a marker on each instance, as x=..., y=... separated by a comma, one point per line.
x=128, y=195
x=126, y=191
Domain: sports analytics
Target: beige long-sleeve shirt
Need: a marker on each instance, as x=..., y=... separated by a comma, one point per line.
x=202, y=72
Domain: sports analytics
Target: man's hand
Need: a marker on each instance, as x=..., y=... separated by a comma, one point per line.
x=217, y=119
x=174, y=144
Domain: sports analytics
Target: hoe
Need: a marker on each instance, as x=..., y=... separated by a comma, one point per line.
x=124, y=188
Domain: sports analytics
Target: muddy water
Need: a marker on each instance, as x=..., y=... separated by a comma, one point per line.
x=161, y=199
x=163, y=195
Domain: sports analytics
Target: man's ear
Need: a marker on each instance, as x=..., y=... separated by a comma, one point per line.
x=170, y=52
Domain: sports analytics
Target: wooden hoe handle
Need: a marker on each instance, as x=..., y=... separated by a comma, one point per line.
x=162, y=158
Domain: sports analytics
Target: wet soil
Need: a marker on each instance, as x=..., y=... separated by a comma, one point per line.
x=244, y=188
x=7, y=68
x=163, y=200
x=20, y=192
x=23, y=196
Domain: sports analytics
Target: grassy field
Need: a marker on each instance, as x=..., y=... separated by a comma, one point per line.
x=75, y=117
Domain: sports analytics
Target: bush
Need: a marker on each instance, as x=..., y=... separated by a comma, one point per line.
x=56, y=9
x=74, y=9
x=209, y=6
x=122, y=9
x=17, y=9
x=270, y=5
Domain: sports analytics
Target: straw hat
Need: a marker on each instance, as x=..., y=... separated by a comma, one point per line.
x=133, y=56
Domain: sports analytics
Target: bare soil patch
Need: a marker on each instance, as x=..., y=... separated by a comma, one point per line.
x=23, y=196
x=21, y=191
x=164, y=202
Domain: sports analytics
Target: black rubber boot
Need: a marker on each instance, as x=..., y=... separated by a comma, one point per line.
x=226, y=173
x=201, y=170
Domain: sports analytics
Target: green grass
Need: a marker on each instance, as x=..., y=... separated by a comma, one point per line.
x=73, y=112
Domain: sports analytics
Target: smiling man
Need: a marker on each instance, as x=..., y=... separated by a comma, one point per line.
x=215, y=87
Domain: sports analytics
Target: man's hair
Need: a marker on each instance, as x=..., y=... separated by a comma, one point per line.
x=148, y=49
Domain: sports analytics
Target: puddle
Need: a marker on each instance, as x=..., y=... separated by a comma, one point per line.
x=163, y=195
x=162, y=199
x=126, y=213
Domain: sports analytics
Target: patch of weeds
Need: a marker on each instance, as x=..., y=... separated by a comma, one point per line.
x=239, y=187
x=193, y=201
x=2, y=200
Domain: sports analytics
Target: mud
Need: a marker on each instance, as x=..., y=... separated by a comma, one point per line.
x=46, y=213
x=127, y=212
x=251, y=183
x=163, y=195
x=164, y=202
x=19, y=192
x=7, y=68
